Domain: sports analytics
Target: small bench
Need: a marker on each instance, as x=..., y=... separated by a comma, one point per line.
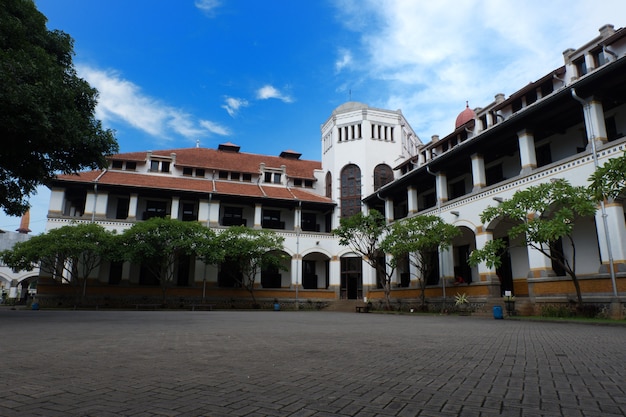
x=208, y=307
x=362, y=309
x=147, y=306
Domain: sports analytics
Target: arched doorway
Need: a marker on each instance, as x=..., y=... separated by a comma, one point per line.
x=351, y=286
x=315, y=271
x=462, y=246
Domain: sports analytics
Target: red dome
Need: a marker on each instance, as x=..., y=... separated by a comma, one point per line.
x=464, y=117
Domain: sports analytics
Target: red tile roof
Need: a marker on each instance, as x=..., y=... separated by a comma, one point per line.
x=200, y=185
x=229, y=161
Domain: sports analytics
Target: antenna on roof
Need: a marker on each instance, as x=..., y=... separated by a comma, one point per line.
x=350, y=95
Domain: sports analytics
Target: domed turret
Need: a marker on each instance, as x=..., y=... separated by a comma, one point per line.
x=464, y=117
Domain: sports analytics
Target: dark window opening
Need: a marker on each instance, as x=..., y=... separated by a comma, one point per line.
x=131, y=166
x=189, y=214
x=309, y=222
x=544, y=155
x=188, y=171
x=246, y=177
x=383, y=174
x=235, y=176
x=200, y=172
x=155, y=209
x=581, y=66
x=309, y=277
x=494, y=174
x=223, y=175
x=457, y=189
x=271, y=220
x=297, y=182
x=117, y=164
x=121, y=211
x=233, y=216
x=271, y=277
x=165, y=166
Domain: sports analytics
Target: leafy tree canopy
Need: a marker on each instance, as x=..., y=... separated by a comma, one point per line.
x=609, y=181
x=541, y=215
x=47, y=122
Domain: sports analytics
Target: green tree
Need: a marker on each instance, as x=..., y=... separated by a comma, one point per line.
x=609, y=181
x=544, y=215
x=251, y=251
x=47, y=122
x=364, y=235
x=418, y=237
x=69, y=253
x=159, y=243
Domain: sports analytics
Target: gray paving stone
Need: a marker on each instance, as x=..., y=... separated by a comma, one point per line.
x=305, y=364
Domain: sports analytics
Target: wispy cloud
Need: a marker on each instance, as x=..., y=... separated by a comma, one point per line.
x=233, y=105
x=123, y=101
x=428, y=58
x=344, y=59
x=268, y=91
x=207, y=6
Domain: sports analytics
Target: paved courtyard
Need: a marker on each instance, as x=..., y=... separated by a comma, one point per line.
x=233, y=363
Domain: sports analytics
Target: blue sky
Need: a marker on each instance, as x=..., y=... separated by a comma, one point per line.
x=266, y=74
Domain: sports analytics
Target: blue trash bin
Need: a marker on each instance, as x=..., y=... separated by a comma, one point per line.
x=497, y=312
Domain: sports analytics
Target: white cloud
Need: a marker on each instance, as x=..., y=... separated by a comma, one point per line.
x=268, y=91
x=207, y=6
x=122, y=101
x=428, y=58
x=233, y=105
x=215, y=128
x=344, y=60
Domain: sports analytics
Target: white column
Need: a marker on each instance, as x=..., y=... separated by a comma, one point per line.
x=258, y=215
x=441, y=185
x=366, y=129
x=389, y=210
x=214, y=213
x=528, y=156
x=485, y=273
x=203, y=211
x=540, y=265
x=297, y=218
x=412, y=199
x=617, y=233
x=478, y=171
x=57, y=199
x=174, y=207
x=132, y=207
x=596, y=128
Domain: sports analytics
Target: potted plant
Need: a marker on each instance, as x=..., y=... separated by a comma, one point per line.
x=462, y=304
x=509, y=301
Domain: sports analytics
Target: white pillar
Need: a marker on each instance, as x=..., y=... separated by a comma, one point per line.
x=57, y=199
x=617, y=233
x=441, y=185
x=258, y=215
x=214, y=213
x=595, y=125
x=485, y=274
x=478, y=171
x=412, y=199
x=389, y=209
x=528, y=156
x=203, y=211
x=174, y=207
x=132, y=207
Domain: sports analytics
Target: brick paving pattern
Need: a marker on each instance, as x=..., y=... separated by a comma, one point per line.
x=305, y=364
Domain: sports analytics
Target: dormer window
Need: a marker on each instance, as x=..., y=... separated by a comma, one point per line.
x=156, y=166
x=272, y=177
x=599, y=58
x=117, y=164
x=581, y=66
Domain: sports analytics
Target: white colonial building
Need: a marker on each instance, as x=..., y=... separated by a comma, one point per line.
x=559, y=126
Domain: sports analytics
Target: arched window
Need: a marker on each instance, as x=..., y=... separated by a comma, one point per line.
x=382, y=175
x=329, y=185
x=350, y=190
